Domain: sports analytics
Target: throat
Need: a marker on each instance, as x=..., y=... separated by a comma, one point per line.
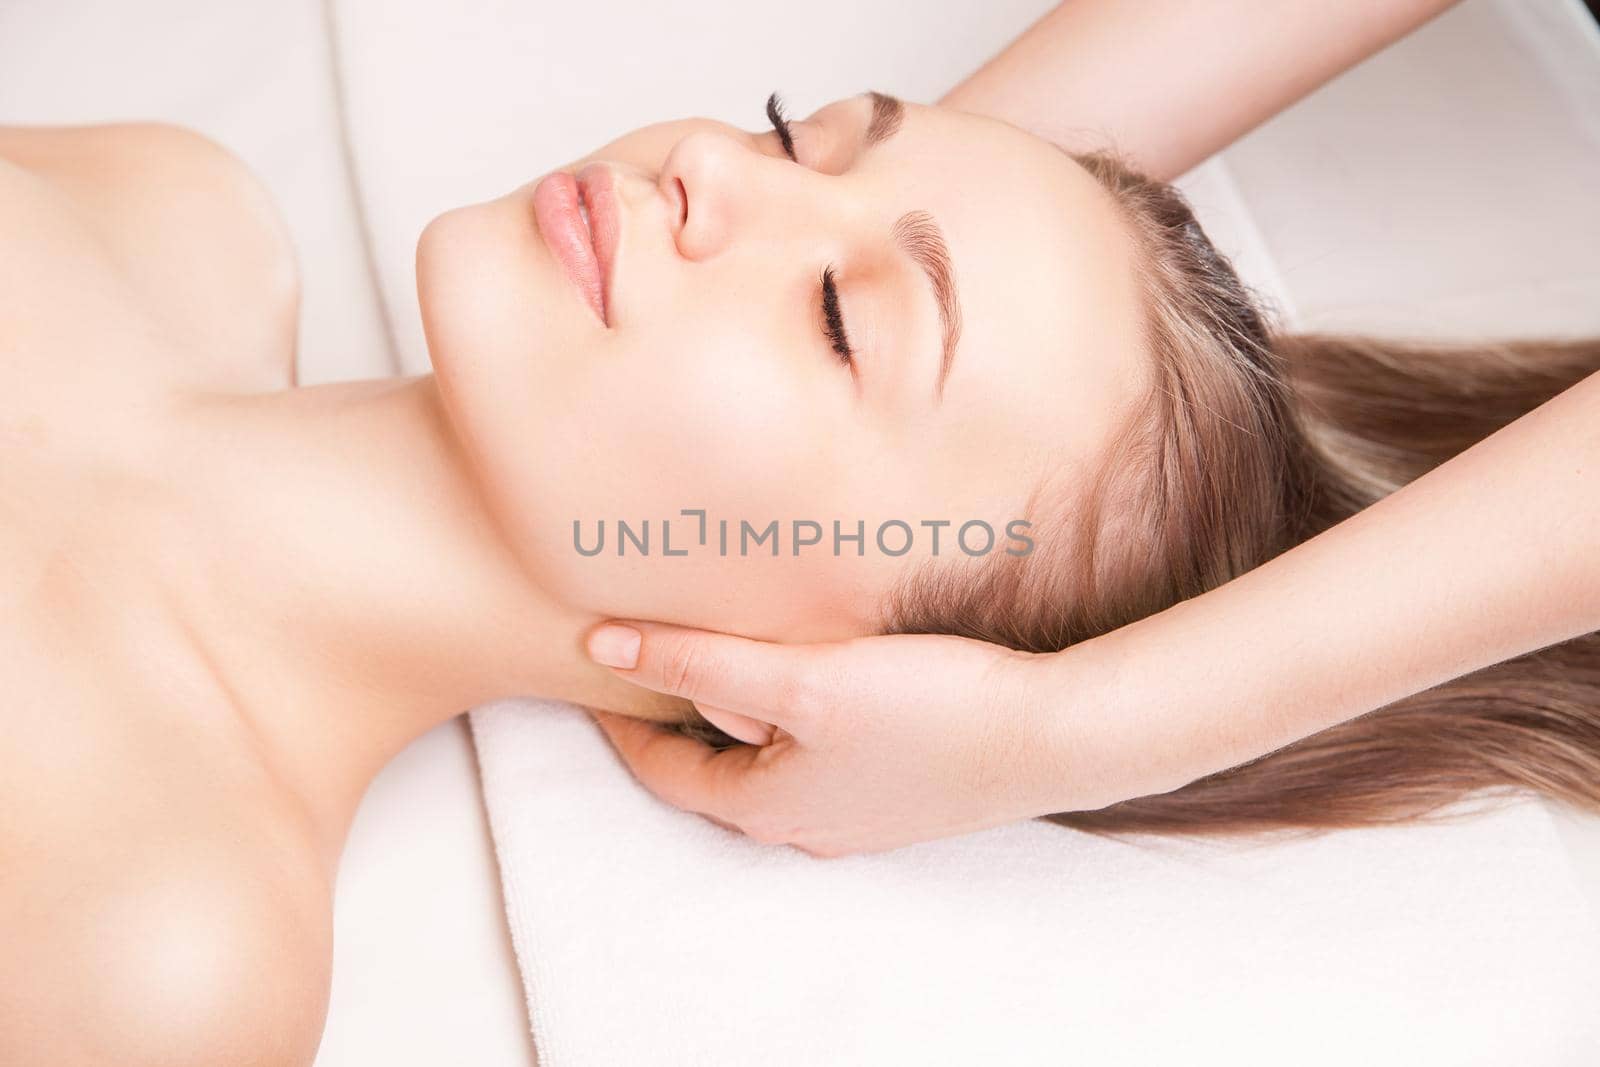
x=343, y=575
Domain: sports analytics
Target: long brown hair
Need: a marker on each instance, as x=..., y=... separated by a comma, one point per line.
x=1252, y=441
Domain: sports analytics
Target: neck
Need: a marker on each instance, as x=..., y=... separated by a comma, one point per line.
x=349, y=588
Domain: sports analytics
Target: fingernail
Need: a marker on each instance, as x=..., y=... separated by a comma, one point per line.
x=615, y=646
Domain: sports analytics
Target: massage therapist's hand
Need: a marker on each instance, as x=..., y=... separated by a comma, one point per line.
x=878, y=741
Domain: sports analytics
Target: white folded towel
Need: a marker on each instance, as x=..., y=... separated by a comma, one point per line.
x=646, y=935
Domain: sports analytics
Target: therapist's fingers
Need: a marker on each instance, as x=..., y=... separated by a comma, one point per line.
x=686, y=773
x=739, y=727
x=762, y=680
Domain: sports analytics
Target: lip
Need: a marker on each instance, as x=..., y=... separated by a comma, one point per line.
x=598, y=187
x=585, y=250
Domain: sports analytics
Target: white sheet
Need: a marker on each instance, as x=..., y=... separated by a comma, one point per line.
x=648, y=935
x=423, y=971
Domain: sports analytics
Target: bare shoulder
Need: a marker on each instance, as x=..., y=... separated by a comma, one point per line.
x=177, y=966
x=164, y=902
x=162, y=218
x=173, y=968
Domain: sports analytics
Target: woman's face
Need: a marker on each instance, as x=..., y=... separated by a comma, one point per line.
x=985, y=289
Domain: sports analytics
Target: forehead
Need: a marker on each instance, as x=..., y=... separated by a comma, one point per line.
x=1050, y=355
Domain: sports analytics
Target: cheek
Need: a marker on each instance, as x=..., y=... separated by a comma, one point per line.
x=709, y=420
x=691, y=407
x=716, y=418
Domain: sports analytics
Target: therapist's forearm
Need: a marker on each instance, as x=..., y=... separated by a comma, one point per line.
x=1492, y=554
x=1171, y=83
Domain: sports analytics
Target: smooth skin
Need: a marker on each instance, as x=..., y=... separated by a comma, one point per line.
x=225, y=604
x=161, y=901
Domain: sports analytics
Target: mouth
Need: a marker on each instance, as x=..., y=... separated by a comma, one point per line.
x=578, y=218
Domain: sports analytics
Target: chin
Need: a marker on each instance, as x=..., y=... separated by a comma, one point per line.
x=473, y=286
x=462, y=283
x=487, y=310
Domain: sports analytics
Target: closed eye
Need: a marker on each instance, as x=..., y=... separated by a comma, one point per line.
x=833, y=319
x=832, y=315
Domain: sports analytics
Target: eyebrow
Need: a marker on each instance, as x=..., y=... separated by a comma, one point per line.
x=920, y=238
x=887, y=114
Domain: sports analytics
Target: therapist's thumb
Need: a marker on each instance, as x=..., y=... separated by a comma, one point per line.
x=729, y=678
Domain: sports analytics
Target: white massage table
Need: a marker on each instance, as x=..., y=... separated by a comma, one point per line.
x=366, y=118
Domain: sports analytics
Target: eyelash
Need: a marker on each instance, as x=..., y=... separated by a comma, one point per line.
x=833, y=319
x=780, y=124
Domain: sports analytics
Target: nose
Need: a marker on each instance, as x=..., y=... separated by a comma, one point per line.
x=712, y=178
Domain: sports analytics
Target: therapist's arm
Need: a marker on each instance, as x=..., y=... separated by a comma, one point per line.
x=1172, y=83
x=883, y=741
